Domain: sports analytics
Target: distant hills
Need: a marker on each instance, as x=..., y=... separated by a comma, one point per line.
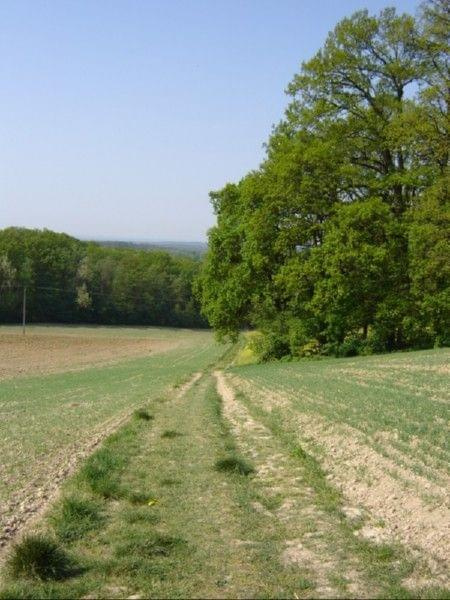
x=195, y=249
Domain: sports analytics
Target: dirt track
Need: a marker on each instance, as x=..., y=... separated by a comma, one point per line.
x=25, y=507
x=396, y=503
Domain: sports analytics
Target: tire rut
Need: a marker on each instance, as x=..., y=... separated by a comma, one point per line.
x=28, y=505
x=309, y=528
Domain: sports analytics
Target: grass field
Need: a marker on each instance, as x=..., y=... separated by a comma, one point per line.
x=52, y=421
x=313, y=479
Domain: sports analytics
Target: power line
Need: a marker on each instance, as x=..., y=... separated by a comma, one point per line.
x=74, y=291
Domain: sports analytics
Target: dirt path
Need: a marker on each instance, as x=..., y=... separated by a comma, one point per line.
x=312, y=541
x=27, y=506
x=198, y=506
x=396, y=503
x=281, y=531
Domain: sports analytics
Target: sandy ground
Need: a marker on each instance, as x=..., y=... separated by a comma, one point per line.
x=38, y=354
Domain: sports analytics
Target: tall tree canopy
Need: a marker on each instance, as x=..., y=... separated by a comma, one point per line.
x=72, y=281
x=339, y=241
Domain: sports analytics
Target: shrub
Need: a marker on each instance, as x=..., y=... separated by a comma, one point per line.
x=269, y=345
x=354, y=345
x=311, y=348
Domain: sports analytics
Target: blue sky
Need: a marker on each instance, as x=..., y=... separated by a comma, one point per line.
x=118, y=118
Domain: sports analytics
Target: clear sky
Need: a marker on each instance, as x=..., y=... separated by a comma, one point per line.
x=118, y=117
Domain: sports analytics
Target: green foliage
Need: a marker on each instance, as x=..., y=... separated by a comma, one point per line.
x=338, y=243
x=141, y=413
x=72, y=281
x=429, y=267
x=75, y=517
x=234, y=464
x=39, y=557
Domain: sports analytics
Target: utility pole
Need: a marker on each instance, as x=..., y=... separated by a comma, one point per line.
x=24, y=308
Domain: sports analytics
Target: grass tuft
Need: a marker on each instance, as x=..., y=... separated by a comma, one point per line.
x=168, y=481
x=76, y=517
x=100, y=473
x=39, y=557
x=143, y=414
x=171, y=433
x=234, y=464
x=138, y=497
x=155, y=545
x=140, y=514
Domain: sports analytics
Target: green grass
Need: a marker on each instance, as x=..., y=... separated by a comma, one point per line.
x=234, y=464
x=141, y=413
x=405, y=394
x=153, y=545
x=163, y=508
x=170, y=434
x=47, y=418
x=75, y=517
x=40, y=557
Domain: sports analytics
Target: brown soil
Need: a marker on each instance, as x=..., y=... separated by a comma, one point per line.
x=398, y=505
x=279, y=475
x=38, y=354
x=28, y=503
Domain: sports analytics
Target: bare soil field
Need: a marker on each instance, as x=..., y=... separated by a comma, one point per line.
x=39, y=353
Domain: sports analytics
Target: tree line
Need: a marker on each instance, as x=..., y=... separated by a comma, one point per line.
x=70, y=281
x=338, y=242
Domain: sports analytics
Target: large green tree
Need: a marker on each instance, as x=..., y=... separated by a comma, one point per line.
x=326, y=241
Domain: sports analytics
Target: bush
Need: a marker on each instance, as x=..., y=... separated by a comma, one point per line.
x=269, y=345
x=311, y=348
x=351, y=346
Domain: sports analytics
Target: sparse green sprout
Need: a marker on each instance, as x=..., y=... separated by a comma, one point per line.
x=234, y=464
x=39, y=557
